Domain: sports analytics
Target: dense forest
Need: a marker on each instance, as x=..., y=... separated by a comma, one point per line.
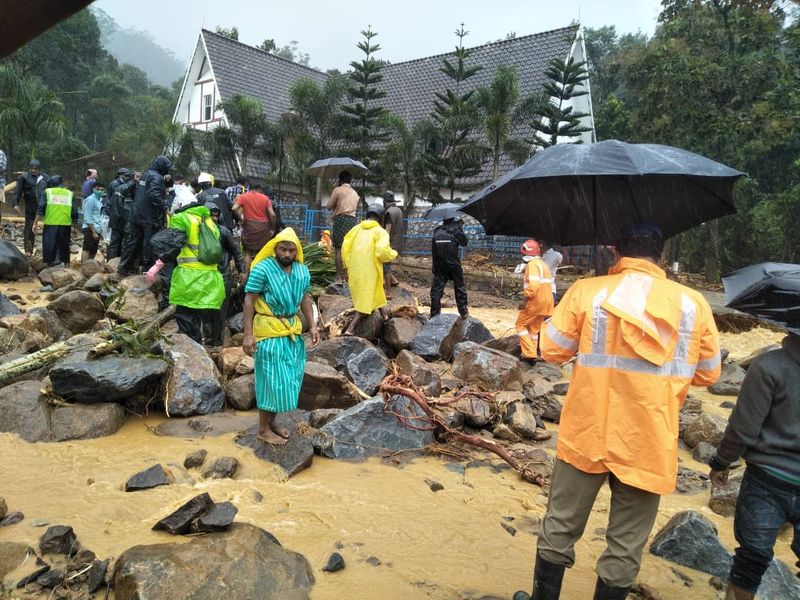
x=718, y=77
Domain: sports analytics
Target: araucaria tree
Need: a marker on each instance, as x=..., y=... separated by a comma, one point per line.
x=555, y=116
x=455, y=152
x=364, y=131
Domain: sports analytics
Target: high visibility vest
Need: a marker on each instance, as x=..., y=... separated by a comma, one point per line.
x=188, y=256
x=58, y=206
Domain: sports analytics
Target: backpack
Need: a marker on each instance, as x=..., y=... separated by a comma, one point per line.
x=210, y=251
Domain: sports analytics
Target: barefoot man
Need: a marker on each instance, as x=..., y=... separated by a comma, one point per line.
x=276, y=290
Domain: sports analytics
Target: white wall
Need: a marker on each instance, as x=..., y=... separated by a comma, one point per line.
x=198, y=83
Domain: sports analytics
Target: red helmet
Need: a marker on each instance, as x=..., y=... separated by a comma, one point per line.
x=530, y=248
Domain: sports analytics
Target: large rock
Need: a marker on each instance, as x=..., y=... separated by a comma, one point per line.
x=335, y=352
x=399, y=332
x=522, y=419
x=325, y=387
x=56, y=330
x=7, y=307
x=134, y=304
x=294, y=456
x=746, y=362
x=366, y=430
x=85, y=422
x=364, y=364
x=367, y=369
x=706, y=428
x=58, y=539
x=403, y=304
x=466, y=330
x=224, y=467
x=90, y=268
x=24, y=412
x=332, y=305
x=194, y=387
x=109, y=378
x=428, y=342
x=32, y=323
x=13, y=555
x=230, y=360
x=95, y=283
x=508, y=344
x=241, y=392
x=78, y=310
x=421, y=373
x=540, y=393
x=219, y=517
x=690, y=539
x=242, y=563
x=723, y=498
x=486, y=368
x=149, y=478
x=730, y=380
x=477, y=412
x=12, y=262
x=180, y=520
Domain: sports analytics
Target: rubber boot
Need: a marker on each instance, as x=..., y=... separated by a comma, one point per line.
x=603, y=591
x=547, y=578
x=736, y=593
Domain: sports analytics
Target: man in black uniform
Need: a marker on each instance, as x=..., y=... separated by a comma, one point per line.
x=119, y=210
x=30, y=187
x=447, y=238
x=209, y=193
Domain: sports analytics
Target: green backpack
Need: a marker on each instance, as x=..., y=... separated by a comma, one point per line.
x=210, y=251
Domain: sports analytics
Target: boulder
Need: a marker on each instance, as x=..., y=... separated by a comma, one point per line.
x=149, y=478
x=403, y=304
x=134, y=304
x=13, y=555
x=336, y=352
x=690, y=539
x=703, y=452
x=561, y=389
x=723, y=498
x=32, y=323
x=95, y=283
x=294, y=456
x=477, y=413
x=229, y=359
x=222, y=468
x=689, y=481
x=730, y=380
x=81, y=422
x=236, y=323
x=486, y=368
x=543, y=401
x=399, y=332
x=12, y=262
x=745, y=362
x=97, y=575
x=521, y=418
x=325, y=387
x=322, y=416
x=332, y=305
x=195, y=459
x=7, y=307
x=366, y=430
x=65, y=279
x=508, y=344
x=466, y=330
x=58, y=539
x=367, y=369
x=241, y=563
x=90, y=268
x=55, y=328
x=218, y=518
x=706, y=428
x=180, y=521
x=241, y=392
x=421, y=373
x=428, y=342
x=25, y=412
x=78, y=310
x=724, y=388
x=109, y=378
x=546, y=370
x=11, y=518
x=139, y=282
x=193, y=387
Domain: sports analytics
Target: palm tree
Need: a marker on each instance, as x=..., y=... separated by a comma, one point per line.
x=402, y=160
x=318, y=120
x=248, y=128
x=29, y=112
x=502, y=112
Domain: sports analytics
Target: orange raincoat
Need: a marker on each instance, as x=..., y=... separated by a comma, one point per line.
x=538, y=291
x=641, y=341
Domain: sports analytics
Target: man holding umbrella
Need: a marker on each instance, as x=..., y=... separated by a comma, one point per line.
x=641, y=341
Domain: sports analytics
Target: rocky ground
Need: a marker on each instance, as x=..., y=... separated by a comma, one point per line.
x=473, y=384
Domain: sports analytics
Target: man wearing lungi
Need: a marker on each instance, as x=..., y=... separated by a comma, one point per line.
x=276, y=290
x=258, y=221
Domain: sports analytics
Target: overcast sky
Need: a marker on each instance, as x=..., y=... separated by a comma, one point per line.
x=328, y=31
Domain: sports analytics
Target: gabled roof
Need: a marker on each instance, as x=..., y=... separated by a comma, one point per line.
x=242, y=69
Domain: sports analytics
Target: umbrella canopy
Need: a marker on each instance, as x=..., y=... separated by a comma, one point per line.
x=330, y=167
x=447, y=210
x=571, y=194
x=770, y=291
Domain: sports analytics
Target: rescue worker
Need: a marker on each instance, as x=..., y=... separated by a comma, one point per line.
x=365, y=249
x=447, y=239
x=196, y=288
x=393, y=224
x=60, y=210
x=147, y=216
x=209, y=193
x=538, y=303
x=641, y=340
x=30, y=188
x=119, y=210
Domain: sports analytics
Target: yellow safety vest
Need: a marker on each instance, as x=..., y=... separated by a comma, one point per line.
x=58, y=206
x=188, y=256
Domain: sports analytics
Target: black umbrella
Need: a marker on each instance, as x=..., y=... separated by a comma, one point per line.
x=447, y=210
x=769, y=291
x=330, y=167
x=571, y=194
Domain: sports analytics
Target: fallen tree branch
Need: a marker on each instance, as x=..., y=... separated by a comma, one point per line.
x=146, y=332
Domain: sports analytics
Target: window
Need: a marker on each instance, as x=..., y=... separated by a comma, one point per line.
x=207, y=107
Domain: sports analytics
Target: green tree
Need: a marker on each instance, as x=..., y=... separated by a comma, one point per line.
x=248, y=128
x=455, y=152
x=402, y=164
x=363, y=113
x=555, y=117
x=232, y=33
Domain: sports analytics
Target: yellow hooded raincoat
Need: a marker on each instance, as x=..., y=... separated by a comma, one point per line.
x=641, y=341
x=364, y=250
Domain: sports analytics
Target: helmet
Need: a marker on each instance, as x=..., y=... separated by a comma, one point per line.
x=205, y=178
x=124, y=171
x=375, y=209
x=530, y=248
x=388, y=196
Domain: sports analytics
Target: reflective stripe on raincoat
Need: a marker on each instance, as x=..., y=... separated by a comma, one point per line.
x=194, y=284
x=538, y=305
x=364, y=250
x=641, y=341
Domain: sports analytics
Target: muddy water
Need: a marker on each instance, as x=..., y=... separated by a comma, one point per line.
x=444, y=545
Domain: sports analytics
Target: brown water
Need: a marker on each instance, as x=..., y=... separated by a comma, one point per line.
x=444, y=545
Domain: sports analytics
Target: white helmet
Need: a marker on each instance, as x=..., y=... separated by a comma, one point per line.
x=205, y=178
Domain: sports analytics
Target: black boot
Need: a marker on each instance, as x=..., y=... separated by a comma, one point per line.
x=547, y=578
x=603, y=591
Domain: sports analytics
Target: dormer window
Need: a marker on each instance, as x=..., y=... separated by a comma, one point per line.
x=208, y=108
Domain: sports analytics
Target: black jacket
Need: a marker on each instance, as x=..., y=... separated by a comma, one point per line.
x=151, y=194
x=119, y=205
x=230, y=250
x=30, y=189
x=447, y=238
x=220, y=200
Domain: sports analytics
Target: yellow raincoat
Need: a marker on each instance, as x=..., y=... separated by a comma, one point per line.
x=641, y=341
x=364, y=250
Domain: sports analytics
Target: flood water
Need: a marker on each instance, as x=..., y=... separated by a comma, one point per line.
x=399, y=539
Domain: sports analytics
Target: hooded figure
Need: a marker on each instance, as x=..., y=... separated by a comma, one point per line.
x=30, y=188
x=209, y=193
x=147, y=216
